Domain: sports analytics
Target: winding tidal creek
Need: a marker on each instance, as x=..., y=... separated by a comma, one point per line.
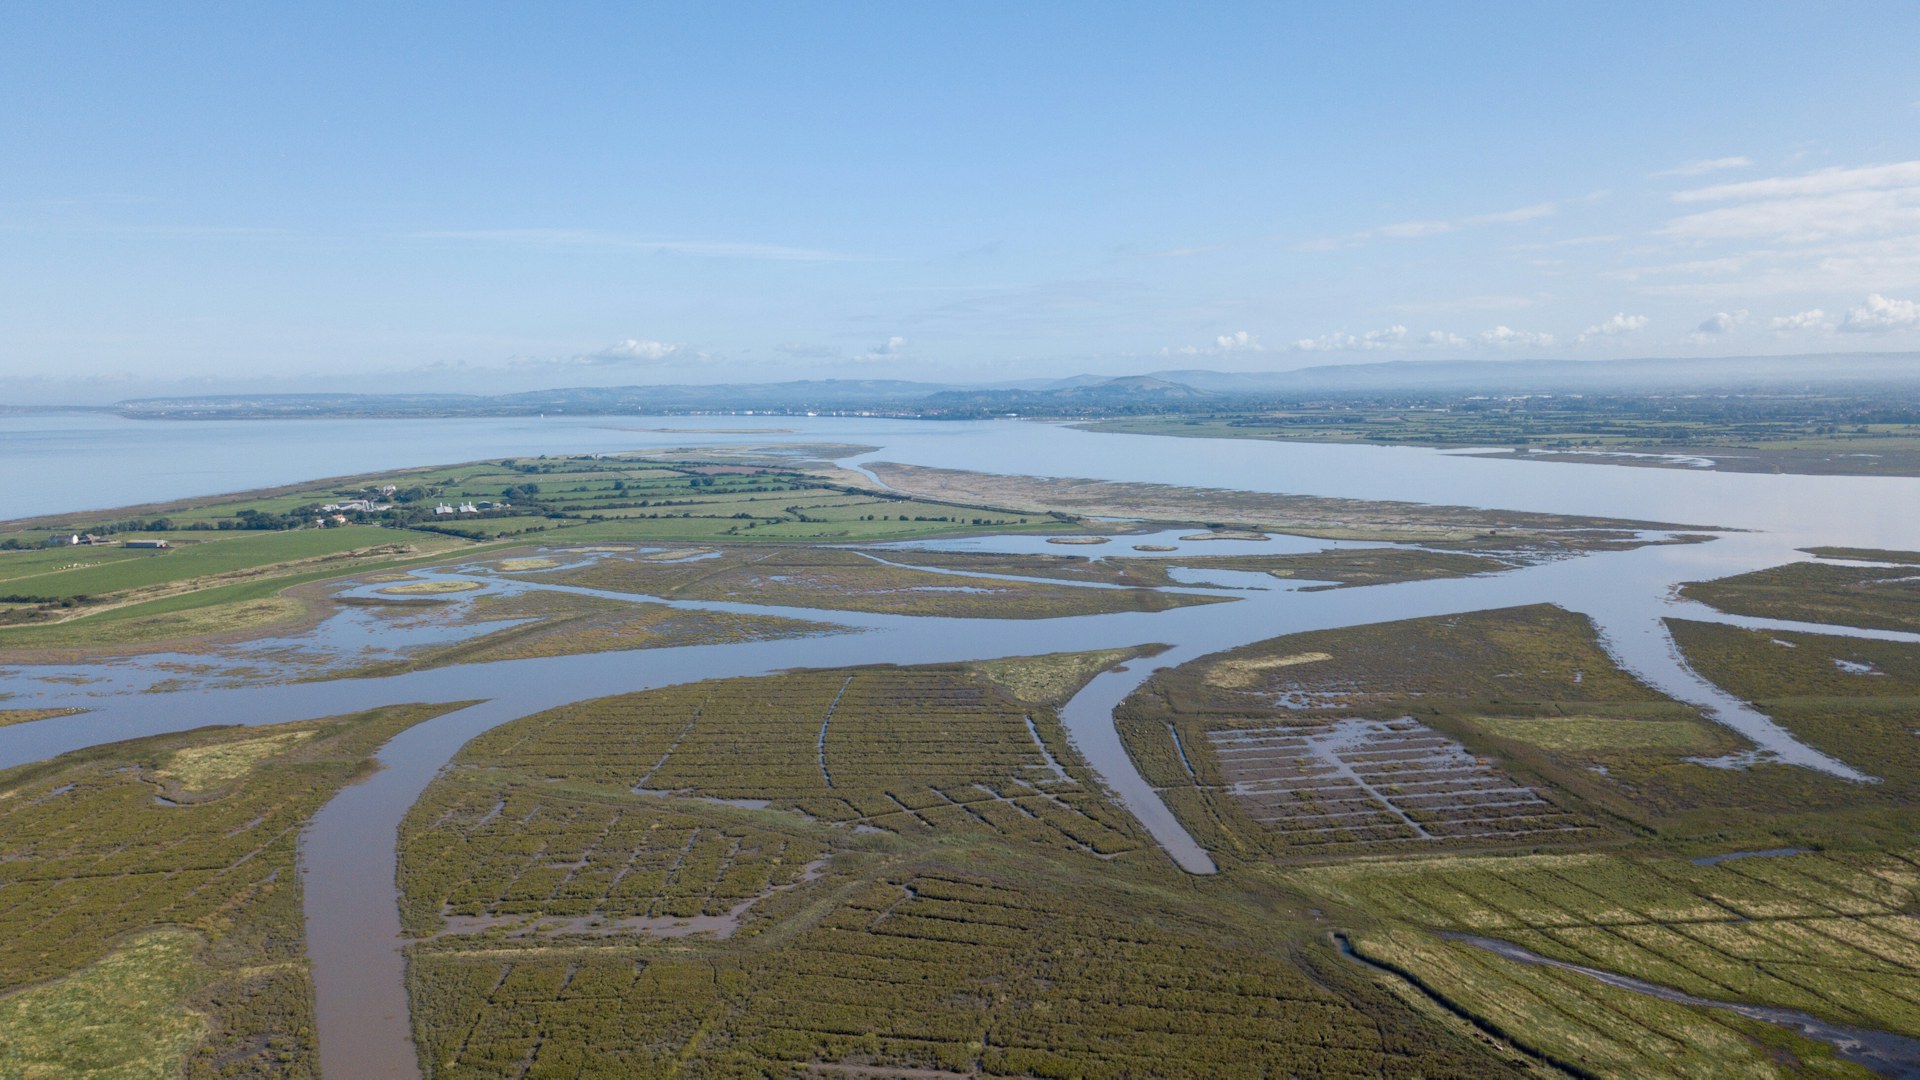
x=348, y=860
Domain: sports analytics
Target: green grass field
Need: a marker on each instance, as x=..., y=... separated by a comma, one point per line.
x=224, y=575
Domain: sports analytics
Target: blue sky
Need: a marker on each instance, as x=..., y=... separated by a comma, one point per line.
x=477, y=196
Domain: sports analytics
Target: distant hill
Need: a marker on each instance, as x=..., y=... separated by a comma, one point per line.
x=1520, y=376
x=1094, y=395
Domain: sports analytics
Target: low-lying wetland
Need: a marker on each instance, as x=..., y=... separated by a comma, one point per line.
x=148, y=898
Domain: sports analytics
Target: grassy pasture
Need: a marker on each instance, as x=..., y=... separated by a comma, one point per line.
x=106, y=570
x=223, y=580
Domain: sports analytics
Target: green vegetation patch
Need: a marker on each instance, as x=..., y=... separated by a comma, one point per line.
x=9, y=717
x=1004, y=919
x=1495, y=728
x=1874, y=597
x=121, y=1016
x=1342, y=566
x=230, y=557
x=147, y=881
x=1579, y=1025
x=1052, y=679
x=1832, y=934
x=840, y=579
x=902, y=750
x=1910, y=558
x=1588, y=734
x=549, y=623
x=430, y=588
x=1814, y=433
x=1302, y=515
x=1856, y=699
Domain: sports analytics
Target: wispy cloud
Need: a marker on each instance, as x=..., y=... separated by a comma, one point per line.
x=1819, y=182
x=1831, y=230
x=1706, y=165
x=1485, y=302
x=1410, y=230
x=589, y=238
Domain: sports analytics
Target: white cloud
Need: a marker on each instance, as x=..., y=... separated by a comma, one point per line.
x=889, y=351
x=1880, y=315
x=1371, y=341
x=1720, y=322
x=1707, y=165
x=1615, y=326
x=1238, y=341
x=1506, y=337
x=1442, y=339
x=1805, y=320
x=636, y=351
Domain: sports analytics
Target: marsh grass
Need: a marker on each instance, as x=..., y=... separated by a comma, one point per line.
x=123, y=1016
x=834, y=578
x=1831, y=934
x=563, y=624
x=986, y=928
x=1874, y=597
x=123, y=914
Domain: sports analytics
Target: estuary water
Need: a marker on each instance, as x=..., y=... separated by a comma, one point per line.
x=348, y=860
x=75, y=461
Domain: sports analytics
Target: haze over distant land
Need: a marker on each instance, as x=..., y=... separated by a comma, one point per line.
x=201, y=201
x=1094, y=395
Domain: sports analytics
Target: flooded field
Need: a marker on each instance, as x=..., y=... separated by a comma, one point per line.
x=1355, y=782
